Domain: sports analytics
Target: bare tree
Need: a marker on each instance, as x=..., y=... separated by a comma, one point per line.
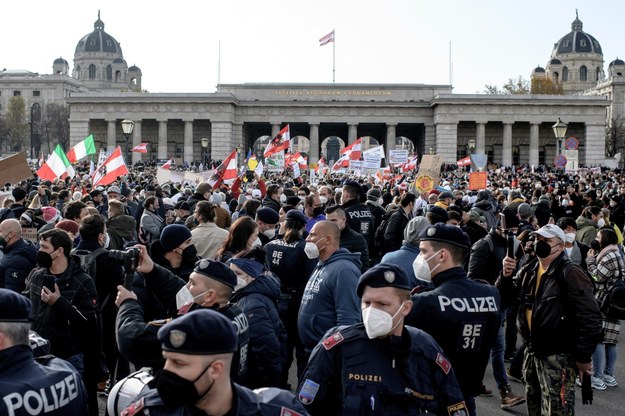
x=518, y=86
x=55, y=126
x=15, y=125
x=615, y=138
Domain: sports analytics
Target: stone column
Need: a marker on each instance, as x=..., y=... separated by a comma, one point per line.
x=162, y=140
x=78, y=131
x=223, y=141
x=480, y=138
x=594, y=145
x=506, y=158
x=390, y=140
x=110, y=135
x=352, y=133
x=534, y=143
x=136, y=141
x=275, y=129
x=188, y=142
x=313, y=152
x=447, y=142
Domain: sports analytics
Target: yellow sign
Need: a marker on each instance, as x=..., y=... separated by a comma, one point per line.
x=424, y=183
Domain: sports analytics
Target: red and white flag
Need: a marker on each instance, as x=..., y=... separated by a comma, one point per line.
x=322, y=166
x=167, y=165
x=411, y=164
x=343, y=162
x=327, y=38
x=279, y=143
x=354, y=150
x=142, y=148
x=226, y=172
x=112, y=167
x=465, y=161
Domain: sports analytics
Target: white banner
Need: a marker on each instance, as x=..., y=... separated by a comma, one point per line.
x=398, y=156
x=296, y=171
x=355, y=164
x=275, y=163
x=372, y=162
x=375, y=151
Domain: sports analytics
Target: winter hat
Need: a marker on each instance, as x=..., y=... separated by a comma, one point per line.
x=18, y=194
x=50, y=214
x=173, y=235
x=69, y=226
x=524, y=210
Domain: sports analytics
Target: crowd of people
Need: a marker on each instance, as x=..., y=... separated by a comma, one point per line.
x=387, y=300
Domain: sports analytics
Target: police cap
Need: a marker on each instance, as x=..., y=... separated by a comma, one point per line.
x=268, y=215
x=297, y=216
x=13, y=306
x=444, y=233
x=200, y=332
x=216, y=270
x=383, y=275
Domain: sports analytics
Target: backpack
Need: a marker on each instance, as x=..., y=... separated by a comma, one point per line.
x=88, y=260
x=378, y=237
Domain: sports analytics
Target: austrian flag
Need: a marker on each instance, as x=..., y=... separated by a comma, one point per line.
x=279, y=143
x=142, y=148
x=327, y=38
x=112, y=167
x=354, y=150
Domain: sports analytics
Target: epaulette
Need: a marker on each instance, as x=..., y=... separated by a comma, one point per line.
x=420, y=289
x=134, y=408
x=343, y=334
x=160, y=322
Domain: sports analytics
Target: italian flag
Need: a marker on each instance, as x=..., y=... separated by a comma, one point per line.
x=112, y=167
x=56, y=165
x=82, y=150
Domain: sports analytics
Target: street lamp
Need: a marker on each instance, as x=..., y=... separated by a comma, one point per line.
x=431, y=150
x=471, y=144
x=559, y=130
x=204, y=141
x=127, y=127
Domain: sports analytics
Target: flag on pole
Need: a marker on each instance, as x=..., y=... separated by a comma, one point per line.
x=56, y=165
x=279, y=143
x=248, y=156
x=227, y=171
x=82, y=150
x=322, y=166
x=142, y=148
x=167, y=165
x=343, y=162
x=327, y=38
x=112, y=167
x=259, y=169
x=354, y=150
x=465, y=161
x=41, y=160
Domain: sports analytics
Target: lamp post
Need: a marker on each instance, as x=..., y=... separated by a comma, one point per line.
x=127, y=127
x=559, y=130
x=204, y=141
x=471, y=145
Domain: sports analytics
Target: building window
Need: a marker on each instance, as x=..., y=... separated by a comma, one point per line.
x=566, y=43
x=92, y=42
x=118, y=76
x=78, y=72
x=582, y=42
x=109, y=72
x=36, y=93
x=565, y=74
x=597, y=77
x=17, y=93
x=556, y=77
x=92, y=71
x=109, y=43
x=583, y=73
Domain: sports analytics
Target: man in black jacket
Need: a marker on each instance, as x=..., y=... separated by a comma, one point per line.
x=350, y=239
x=559, y=321
x=394, y=233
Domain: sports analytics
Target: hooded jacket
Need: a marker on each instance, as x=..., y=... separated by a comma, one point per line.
x=121, y=229
x=586, y=230
x=330, y=297
x=267, y=348
x=15, y=265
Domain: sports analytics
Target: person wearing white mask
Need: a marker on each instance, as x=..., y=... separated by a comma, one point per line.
x=367, y=367
x=576, y=251
x=462, y=315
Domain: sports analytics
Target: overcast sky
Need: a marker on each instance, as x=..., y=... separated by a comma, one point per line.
x=176, y=43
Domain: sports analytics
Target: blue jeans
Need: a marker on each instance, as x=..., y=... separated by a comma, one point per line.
x=604, y=359
x=496, y=355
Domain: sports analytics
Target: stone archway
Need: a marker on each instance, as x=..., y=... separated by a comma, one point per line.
x=404, y=143
x=331, y=147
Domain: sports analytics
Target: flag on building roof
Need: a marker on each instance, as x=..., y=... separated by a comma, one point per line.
x=281, y=142
x=327, y=38
x=354, y=150
x=226, y=172
x=82, y=150
x=56, y=165
x=111, y=169
x=167, y=165
x=142, y=148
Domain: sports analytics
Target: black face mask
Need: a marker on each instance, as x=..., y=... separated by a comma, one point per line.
x=317, y=211
x=44, y=259
x=542, y=249
x=189, y=254
x=176, y=391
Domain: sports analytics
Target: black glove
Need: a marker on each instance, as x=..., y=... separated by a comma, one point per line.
x=586, y=390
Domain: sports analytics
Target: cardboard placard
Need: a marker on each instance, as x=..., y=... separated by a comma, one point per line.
x=477, y=181
x=29, y=234
x=14, y=169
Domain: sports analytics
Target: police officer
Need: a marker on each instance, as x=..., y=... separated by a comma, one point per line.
x=380, y=366
x=198, y=349
x=358, y=214
x=461, y=314
x=27, y=387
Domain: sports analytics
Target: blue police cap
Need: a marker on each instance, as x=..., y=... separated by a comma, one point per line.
x=13, y=307
x=216, y=270
x=297, y=216
x=444, y=233
x=200, y=332
x=268, y=215
x=383, y=275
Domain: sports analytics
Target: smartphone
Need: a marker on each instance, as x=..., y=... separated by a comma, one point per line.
x=48, y=281
x=510, y=241
x=502, y=221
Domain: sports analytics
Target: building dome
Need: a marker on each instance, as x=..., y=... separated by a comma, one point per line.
x=60, y=61
x=134, y=68
x=577, y=41
x=617, y=62
x=555, y=61
x=539, y=69
x=119, y=61
x=98, y=41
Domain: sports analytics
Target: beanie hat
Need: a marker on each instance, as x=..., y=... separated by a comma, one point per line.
x=524, y=210
x=50, y=214
x=69, y=226
x=18, y=193
x=374, y=194
x=173, y=235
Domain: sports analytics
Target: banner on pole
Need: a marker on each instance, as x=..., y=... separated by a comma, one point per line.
x=397, y=157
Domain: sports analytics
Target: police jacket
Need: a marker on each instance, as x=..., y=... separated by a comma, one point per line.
x=245, y=402
x=360, y=219
x=17, y=261
x=289, y=262
x=267, y=349
x=463, y=317
x=73, y=319
x=48, y=387
x=565, y=315
x=135, y=336
x=350, y=374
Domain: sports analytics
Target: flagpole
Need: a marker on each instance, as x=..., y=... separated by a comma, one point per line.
x=334, y=57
